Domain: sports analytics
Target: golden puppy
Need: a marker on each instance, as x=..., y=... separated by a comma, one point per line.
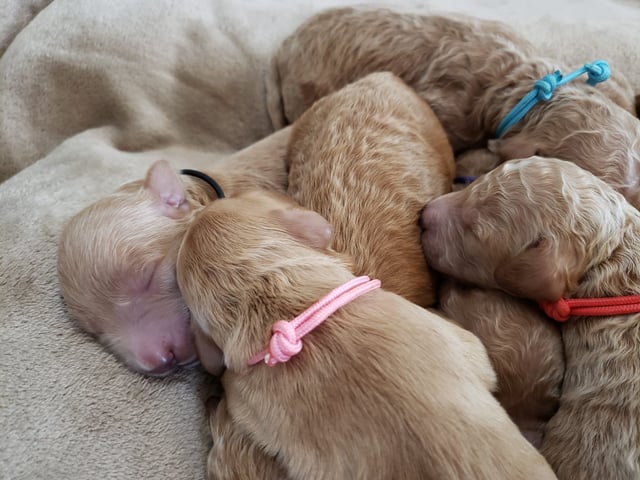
x=524, y=346
x=383, y=389
x=116, y=258
x=545, y=229
x=367, y=158
x=472, y=72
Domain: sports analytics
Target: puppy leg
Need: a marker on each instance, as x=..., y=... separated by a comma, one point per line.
x=525, y=349
x=233, y=455
x=473, y=163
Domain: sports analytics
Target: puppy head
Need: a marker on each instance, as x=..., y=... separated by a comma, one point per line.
x=531, y=227
x=585, y=128
x=116, y=266
x=240, y=268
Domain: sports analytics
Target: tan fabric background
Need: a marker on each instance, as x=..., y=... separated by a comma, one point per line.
x=91, y=92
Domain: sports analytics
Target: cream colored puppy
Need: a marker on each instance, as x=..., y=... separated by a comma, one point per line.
x=382, y=389
x=545, y=229
x=116, y=258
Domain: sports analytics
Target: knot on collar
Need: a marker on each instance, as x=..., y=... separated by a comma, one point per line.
x=284, y=343
x=286, y=340
x=542, y=90
x=546, y=85
x=560, y=310
x=598, y=71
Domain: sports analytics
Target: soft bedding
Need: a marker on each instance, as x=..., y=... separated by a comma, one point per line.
x=93, y=91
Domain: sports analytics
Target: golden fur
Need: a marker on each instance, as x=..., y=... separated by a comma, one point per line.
x=116, y=258
x=367, y=158
x=580, y=239
x=472, y=72
x=524, y=346
x=383, y=389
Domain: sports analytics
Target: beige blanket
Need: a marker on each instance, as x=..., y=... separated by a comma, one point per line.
x=92, y=91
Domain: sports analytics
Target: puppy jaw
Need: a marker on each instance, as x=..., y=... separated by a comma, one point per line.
x=243, y=265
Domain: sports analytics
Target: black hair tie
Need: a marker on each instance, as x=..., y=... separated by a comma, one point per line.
x=206, y=178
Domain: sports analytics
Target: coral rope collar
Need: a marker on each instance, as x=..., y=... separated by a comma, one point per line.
x=597, y=71
x=286, y=340
x=561, y=310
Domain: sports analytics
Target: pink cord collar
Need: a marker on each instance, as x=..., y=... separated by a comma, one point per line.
x=286, y=340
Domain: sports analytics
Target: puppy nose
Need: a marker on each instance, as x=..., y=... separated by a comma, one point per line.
x=163, y=363
x=428, y=217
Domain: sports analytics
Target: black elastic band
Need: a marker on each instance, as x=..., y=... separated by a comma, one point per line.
x=206, y=178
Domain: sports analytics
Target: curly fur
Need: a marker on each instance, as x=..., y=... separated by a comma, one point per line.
x=580, y=239
x=525, y=349
x=108, y=252
x=367, y=158
x=472, y=72
x=383, y=389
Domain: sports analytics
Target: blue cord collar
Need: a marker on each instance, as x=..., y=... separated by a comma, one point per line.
x=597, y=71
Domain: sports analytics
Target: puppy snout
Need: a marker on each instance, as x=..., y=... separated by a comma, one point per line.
x=163, y=363
x=432, y=214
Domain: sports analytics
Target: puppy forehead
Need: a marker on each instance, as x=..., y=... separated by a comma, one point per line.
x=531, y=178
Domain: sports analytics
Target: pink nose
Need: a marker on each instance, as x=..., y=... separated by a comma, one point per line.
x=161, y=363
x=432, y=215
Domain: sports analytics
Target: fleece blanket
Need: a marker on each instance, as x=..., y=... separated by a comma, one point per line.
x=91, y=92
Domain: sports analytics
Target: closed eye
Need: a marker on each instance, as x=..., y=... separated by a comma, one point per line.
x=536, y=243
x=148, y=274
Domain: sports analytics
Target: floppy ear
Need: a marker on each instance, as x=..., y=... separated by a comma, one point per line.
x=512, y=147
x=307, y=226
x=209, y=354
x=538, y=273
x=164, y=182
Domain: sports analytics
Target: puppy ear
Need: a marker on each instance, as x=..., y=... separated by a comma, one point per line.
x=538, y=273
x=512, y=147
x=164, y=182
x=209, y=354
x=307, y=226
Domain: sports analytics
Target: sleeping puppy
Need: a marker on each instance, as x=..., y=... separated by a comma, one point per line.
x=472, y=72
x=382, y=389
x=116, y=258
x=524, y=346
x=545, y=229
x=368, y=170
x=367, y=158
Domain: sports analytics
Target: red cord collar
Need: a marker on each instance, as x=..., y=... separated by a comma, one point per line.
x=561, y=310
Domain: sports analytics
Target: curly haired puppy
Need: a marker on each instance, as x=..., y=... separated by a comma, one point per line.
x=382, y=389
x=116, y=257
x=367, y=158
x=524, y=346
x=472, y=72
x=545, y=229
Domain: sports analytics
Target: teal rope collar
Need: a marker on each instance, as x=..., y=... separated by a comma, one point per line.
x=597, y=71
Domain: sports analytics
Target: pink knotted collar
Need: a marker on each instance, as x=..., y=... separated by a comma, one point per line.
x=286, y=340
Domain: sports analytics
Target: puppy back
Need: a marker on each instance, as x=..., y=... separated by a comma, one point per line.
x=368, y=158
